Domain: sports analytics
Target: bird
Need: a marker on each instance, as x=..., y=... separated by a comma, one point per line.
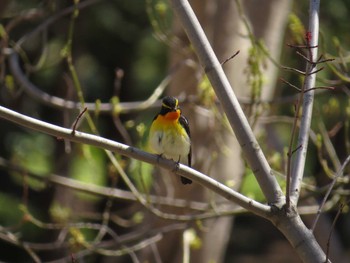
x=169, y=135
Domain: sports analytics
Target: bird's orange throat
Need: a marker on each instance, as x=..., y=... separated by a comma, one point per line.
x=172, y=116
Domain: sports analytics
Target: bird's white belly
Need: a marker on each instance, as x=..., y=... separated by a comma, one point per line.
x=170, y=145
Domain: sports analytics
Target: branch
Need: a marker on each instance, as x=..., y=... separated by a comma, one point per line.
x=340, y=210
x=297, y=171
x=126, y=250
x=13, y=239
x=239, y=123
x=36, y=93
x=111, y=192
x=54, y=18
x=339, y=174
x=135, y=153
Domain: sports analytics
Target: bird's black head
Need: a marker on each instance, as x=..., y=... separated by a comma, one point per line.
x=169, y=104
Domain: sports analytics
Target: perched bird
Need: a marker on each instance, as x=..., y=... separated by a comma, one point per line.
x=169, y=135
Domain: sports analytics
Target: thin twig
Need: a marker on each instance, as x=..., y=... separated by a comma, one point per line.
x=339, y=174
x=104, y=191
x=330, y=150
x=296, y=149
x=320, y=87
x=52, y=19
x=77, y=120
x=13, y=239
x=140, y=245
x=294, y=70
x=231, y=57
x=57, y=102
x=304, y=57
x=315, y=71
x=341, y=206
x=290, y=84
x=318, y=61
x=301, y=46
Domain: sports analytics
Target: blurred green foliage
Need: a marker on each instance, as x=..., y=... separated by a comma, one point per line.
x=9, y=216
x=34, y=152
x=250, y=187
x=88, y=165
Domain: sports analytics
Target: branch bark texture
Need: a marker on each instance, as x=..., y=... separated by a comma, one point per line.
x=308, y=102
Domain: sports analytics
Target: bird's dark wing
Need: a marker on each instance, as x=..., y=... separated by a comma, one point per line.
x=184, y=123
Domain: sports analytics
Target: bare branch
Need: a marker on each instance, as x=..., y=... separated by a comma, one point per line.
x=302, y=46
x=319, y=60
x=122, y=107
x=294, y=70
x=135, y=153
x=297, y=171
x=126, y=250
x=77, y=120
x=54, y=18
x=339, y=174
x=320, y=87
x=290, y=84
x=112, y=192
x=332, y=228
x=13, y=239
x=315, y=71
x=231, y=57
